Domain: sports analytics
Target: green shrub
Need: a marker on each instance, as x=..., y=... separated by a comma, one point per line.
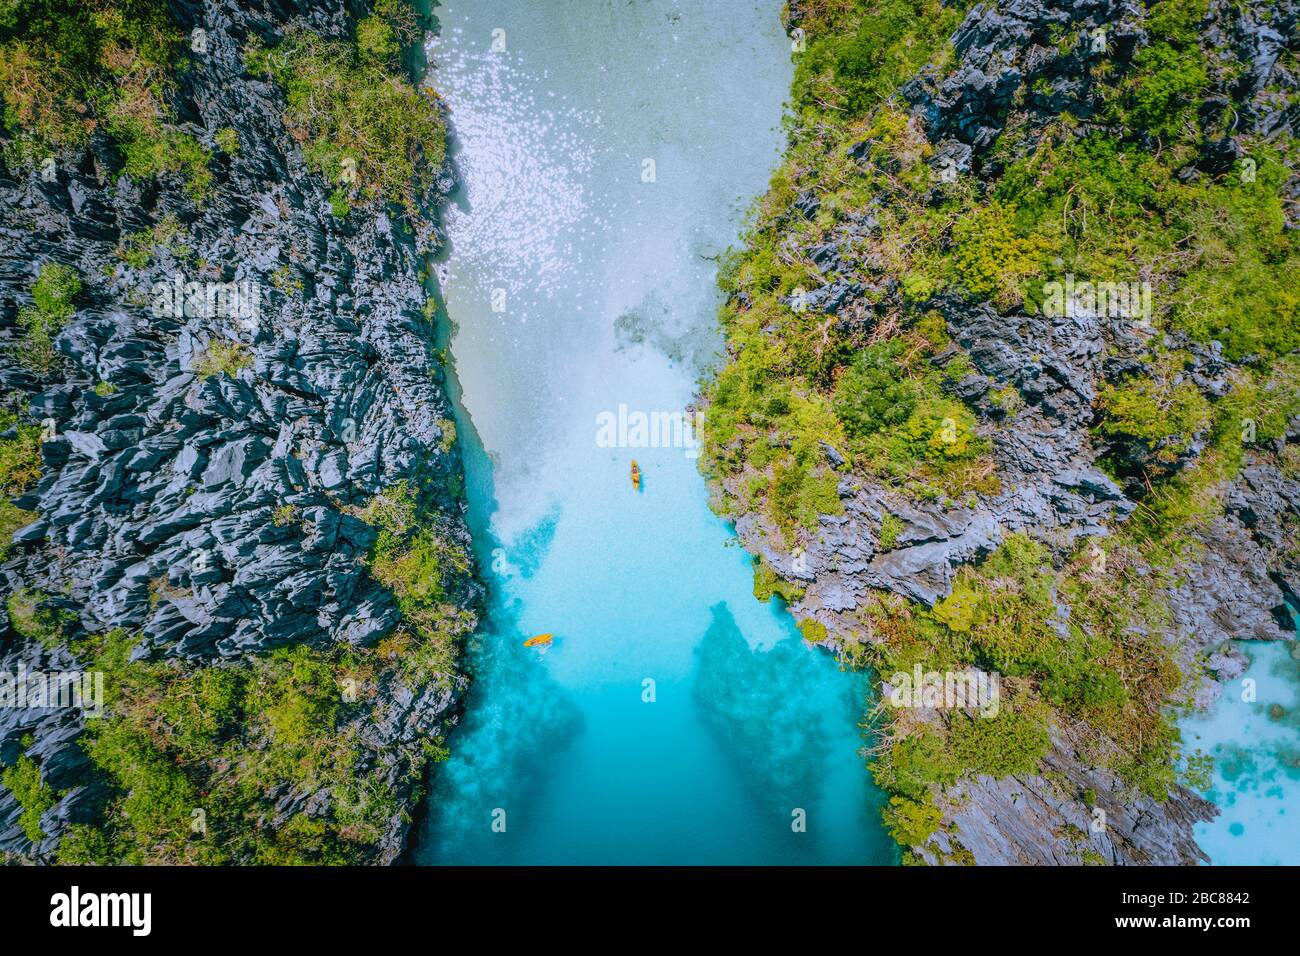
x=208, y=711
x=418, y=565
x=1072, y=641
x=55, y=287
x=377, y=40
x=284, y=515
x=85, y=845
x=1010, y=743
x=222, y=357
x=1078, y=682
x=52, y=306
x=911, y=823
x=195, y=758
x=800, y=492
x=914, y=763
x=339, y=205
x=35, y=797
x=872, y=394
x=991, y=259
x=857, y=58
x=1161, y=411
x=813, y=631
x=158, y=798
x=55, y=56
x=1169, y=73
x=296, y=698
x=137, y=249
x=285, y=281
x=767, y=584
x=1238, y=289
x=32, y=616
x=364, y=126
x=227, y=140
x=958, y=609
x=68, y=68
x=20, y=468
x=1166, y=88
x=891, y=526
x=151, y=147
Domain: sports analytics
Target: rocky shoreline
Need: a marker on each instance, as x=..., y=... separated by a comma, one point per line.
x=215, y=507
x=1239, y=579
x=221, y=491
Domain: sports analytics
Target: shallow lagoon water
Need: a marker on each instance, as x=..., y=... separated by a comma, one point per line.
x=1255, y=744
x=608, y=152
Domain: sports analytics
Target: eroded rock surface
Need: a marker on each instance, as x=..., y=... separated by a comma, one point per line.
x=1051, y=486
x=215, y=515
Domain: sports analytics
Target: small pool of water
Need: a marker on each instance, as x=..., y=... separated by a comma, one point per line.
x=1253, y=734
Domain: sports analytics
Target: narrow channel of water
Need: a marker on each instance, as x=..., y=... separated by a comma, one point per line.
x=608, y=151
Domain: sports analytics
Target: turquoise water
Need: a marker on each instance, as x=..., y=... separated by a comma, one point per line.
x=1256, y=749
x=675, y=719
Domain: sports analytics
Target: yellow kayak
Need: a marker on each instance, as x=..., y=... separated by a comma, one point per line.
x=541, y=640
x=636, y=476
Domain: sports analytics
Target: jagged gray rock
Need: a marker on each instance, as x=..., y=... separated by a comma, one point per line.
x=210, y=514
x=1051, y=486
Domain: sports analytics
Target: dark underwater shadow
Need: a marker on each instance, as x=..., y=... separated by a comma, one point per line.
x=768, y=717
x=516, y=721
x=746, y=699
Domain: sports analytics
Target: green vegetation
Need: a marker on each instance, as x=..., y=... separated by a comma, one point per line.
x=192, y=757
x=812, y=630
x=1076, y=641
x=363, y=125
x=448, y=429
x=24, y=780
x=284, y=515
x=855, y=59
x=33, y=617
x=1072, y=642
x=911, y=823
x=198, y=760
x=195, y=756
x=991, y=260
x=418, y=565
x=767, y=583
x=137, y=249
x=1171, y=75
x=69, y=68
x=339, y=205
x=227, y=140
x=222, y=358
x=1095, y=205
x=20, y=468
x=798, y=380
x=890, y=528
x=1237, y=289
x=53, y=293
x=285, y=282
x=1163, y=410
x=891, y=405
